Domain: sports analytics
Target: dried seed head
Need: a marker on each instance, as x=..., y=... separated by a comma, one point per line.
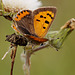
x=17, y=5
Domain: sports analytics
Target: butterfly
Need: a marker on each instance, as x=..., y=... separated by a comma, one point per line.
x=34, y=25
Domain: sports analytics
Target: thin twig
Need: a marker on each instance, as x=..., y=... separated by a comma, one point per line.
x=13, y=59
x=27, y=63
x=39, y=48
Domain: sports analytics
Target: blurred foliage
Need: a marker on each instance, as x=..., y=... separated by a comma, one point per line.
x=47, y=61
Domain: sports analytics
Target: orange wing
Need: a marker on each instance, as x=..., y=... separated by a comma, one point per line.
x=36, y=39
x=43, y=17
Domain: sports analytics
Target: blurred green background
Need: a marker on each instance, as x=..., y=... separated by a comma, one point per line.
x=47, y=61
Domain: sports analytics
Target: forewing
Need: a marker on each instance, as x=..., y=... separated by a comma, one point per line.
x=24, y=21
x=43, y=17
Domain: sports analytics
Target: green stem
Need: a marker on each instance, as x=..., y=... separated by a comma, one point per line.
x=56, y=38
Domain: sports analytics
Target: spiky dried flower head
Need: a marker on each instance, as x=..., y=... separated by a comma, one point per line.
x=69, y=24
x=17, y=5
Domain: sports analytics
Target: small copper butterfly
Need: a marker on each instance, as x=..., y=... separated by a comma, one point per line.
x=35, y=24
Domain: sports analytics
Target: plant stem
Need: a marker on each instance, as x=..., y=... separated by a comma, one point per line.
x=39, y=48
x=13, y=55
x=27, y=62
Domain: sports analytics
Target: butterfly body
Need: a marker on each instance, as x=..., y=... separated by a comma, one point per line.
x=35, y=24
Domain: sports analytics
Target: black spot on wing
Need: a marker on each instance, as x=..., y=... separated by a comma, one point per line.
x=22, y=12
x=41, y=16
x=50, y=16
x=44, y=27
x=44, y=17
x=47, y=22
x=37, y=20
x=18, y=13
